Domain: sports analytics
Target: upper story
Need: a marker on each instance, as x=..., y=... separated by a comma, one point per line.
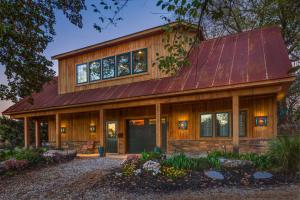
x=119, y=61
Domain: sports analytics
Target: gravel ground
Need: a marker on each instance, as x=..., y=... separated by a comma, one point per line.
x=81, y=178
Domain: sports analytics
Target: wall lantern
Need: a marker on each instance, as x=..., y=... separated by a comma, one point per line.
x=183, y=125
x=93, y=128
x=63, y=129
x=261, y=121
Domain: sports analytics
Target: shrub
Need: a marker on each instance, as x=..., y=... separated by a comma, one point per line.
x=32, y=156
x=152, y=155
x=182, y=162
x=173, y=173
x=128, y=169
x=13, y=164
x=285, y=153
x=213, y=159
x=152, y=166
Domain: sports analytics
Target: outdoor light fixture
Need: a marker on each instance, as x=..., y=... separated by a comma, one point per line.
x=63, y=129
x=261, y=121
x=92, y=128
x=183, y=125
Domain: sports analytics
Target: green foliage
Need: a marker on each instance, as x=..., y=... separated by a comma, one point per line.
x=151, y=155
x=128, y=169
x=285, y=152
x=11, y=131
x=182, y=162
x=33, y=156
x=173, y=173
x=26, y=28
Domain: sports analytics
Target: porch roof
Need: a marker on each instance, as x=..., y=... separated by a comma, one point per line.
x=258, y=56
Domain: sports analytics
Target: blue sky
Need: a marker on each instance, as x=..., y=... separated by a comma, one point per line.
x=138, y=15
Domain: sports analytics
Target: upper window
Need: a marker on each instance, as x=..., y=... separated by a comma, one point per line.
x=123, y=64
x=243, y=123
x=222, y=124
x=139, y=61
x=108, y=67
x=95, y=70
x=82, y=73
x=206, y=127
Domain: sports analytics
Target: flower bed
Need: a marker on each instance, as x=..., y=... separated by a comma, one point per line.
x=18, y=159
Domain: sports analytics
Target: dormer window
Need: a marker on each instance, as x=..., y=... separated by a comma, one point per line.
x=95, y=70
x=82, y=73
x=108, y=67
x=139, y=61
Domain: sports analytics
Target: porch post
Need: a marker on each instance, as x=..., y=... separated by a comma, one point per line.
x=37, y=133
x=158, y=125
x=275, y=118
x=101, y=127
x=235, y=124
x=26, y=133
x=57, y=130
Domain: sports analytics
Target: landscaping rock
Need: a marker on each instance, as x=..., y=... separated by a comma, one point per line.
x=262, y=175
x=214, y=175
x=230, y=163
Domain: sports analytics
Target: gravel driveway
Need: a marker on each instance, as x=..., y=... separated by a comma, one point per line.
x=79, y=179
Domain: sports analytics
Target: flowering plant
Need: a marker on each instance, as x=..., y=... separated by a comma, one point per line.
x=152, y=166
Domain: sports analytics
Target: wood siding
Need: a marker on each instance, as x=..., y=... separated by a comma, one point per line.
x=67, y=67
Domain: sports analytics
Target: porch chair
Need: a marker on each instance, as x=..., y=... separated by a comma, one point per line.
x=88, y=147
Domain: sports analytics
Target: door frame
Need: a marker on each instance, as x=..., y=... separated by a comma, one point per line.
x=117, y=127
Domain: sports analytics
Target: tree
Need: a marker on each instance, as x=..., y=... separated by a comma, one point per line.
x=11, y=131
x=26, y=28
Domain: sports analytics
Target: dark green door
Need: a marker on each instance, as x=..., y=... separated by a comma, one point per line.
x=111, y=137
x=141, y=135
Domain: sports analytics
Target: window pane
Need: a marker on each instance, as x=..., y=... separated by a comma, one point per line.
x=111, y=130
x=95, y=70
x=139, y=61
x=206, y=125
x=81, y=73
x=123, y=64
x=243, y=123
x=108, y=67
x=222, y=124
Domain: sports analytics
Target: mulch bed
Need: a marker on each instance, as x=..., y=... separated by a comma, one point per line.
x=194, y=180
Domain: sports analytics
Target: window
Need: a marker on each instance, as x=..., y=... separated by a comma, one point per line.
x=222, y=124
x=206, y=128
x=108, y=67
x=123, y=64
x=81, y=73
x=95, y=70
x=243, y=123
x=139, y=61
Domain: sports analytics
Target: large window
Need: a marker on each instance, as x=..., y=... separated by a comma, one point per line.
x=81, y=73
x=243, y=123
x=123, y=64
x=95, y=70
x=222, y=124
x=206, y=121
x=139, y=61
x=108, y=67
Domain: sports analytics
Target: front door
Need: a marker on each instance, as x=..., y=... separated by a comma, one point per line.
x=111, y=137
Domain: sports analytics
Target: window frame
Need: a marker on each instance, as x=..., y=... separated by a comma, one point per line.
x=132, y=58
x=87, y=73
x=102, y=67
x=130, y=64
x=247, y=122
x=229, y=124
x=212, y=124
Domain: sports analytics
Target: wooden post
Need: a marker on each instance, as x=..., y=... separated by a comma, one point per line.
x=37, y=133
x=235, y=124
x=26, y=133
x=57, y=130
x=275, y=118
x=158, y=126
x=101, y=127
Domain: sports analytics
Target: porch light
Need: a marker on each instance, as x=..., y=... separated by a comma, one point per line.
x=183, y=125
x=261, y=121
x=92, y=128
x=63, y=129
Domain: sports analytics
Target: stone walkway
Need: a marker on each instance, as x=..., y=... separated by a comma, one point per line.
x=79, y=179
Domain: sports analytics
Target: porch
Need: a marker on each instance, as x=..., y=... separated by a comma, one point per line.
x=180, y=117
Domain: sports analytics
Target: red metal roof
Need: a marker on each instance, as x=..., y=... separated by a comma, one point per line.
x=252, y=56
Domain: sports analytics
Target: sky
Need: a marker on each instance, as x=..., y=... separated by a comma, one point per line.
x=137, y=16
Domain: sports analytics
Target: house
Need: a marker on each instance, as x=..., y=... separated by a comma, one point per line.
x=112, y=94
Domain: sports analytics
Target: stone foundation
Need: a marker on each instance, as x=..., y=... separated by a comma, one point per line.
x=77, y=145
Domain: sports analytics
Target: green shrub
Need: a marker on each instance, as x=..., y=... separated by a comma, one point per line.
x=151, y=155
x=285, y=153
x=32, y=156
x=128, y=169
x=213, y=159
x=173, y=173
x=182, y=162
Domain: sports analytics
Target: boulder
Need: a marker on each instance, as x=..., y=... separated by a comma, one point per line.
x=214, y=175
x=262, y=175
x=231, y=163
